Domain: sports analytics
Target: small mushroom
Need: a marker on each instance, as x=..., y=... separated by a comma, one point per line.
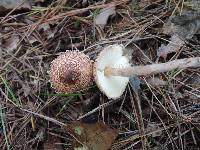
x=71, y=71
x=74, y=71
x=112, y=69
x=111, y=56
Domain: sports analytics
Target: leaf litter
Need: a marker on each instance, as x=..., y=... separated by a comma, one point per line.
x=93, y=136
x=169, y=102
x=181, y=27
x=175, y=44
x=102, y=18
x=11, y=43
x=52, y=143
x=10, y=4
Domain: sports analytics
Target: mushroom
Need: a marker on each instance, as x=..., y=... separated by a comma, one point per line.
x=112, y=86
x=71, y=71
x=74, y=71
x=112, y=69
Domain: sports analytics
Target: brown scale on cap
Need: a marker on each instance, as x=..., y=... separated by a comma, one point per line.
x=71, y=71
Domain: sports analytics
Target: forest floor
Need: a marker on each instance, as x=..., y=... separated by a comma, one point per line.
x=158, y=112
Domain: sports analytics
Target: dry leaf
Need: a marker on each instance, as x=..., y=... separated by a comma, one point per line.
x=174, y=46
x=11, y=43
x=185, y=25
x=181, y=27
x=102, y=18
x=10, y=4
x=188, y=24
x=94, y=136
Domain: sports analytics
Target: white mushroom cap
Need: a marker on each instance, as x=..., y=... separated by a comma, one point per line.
x=111, y=56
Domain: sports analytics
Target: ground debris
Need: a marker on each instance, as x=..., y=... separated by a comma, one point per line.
x=52, y=143
x=174, y=45
x=93, y=136
x=181, y=27
x=155, y=81
x=102, y=18
x=31, y=38
x=10, y=4
x=10, y=44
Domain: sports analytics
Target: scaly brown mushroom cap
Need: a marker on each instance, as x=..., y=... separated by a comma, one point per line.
x=71, y=71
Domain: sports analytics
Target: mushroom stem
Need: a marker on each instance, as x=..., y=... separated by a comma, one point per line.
x=154, y=68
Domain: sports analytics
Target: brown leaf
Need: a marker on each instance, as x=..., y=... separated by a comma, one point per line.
x=11, y=43
x=102, y=18
x=94, y=136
